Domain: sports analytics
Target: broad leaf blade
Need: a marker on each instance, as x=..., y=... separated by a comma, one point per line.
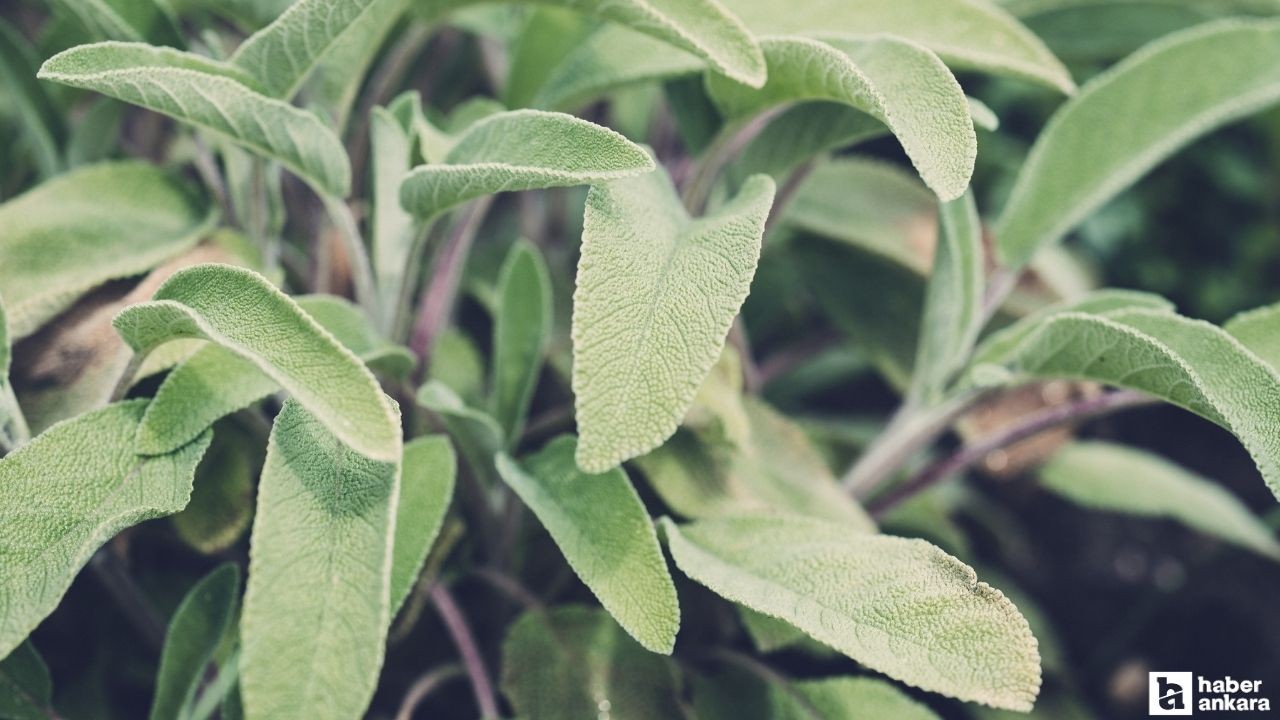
x=902, y=607
x=521, y=326
x=1259, y=330
x=317, y=606
x=198, y=627
x=66, y=493
x=242, y=312
x=656, y=294
x=610, y=58
x=606, y=535
x=426, y=487
x=1128, y=119
x=212, y=96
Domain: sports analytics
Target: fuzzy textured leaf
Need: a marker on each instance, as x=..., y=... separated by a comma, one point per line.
x=426, y=487
x=605, y=533
x=521, y=326
x=198, y=627
x=656, y=294
x=902, y=607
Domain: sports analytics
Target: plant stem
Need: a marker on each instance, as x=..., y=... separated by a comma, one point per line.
x=17, y=421
x=361, y=271
x=456, y=623
x=126, y=376
x=436, y=305
x=137, y=608
x=726, y=146
x=424, y=686
x=1030, y=425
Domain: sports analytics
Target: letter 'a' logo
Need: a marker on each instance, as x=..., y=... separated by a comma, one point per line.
x=1169, y=693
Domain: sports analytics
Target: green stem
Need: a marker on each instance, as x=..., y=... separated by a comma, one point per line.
x=14, y=432
x=730, y=141
x=361, y=271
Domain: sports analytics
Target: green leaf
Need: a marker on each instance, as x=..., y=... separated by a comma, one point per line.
x=136, y=20
x=197, y=629
x=39, y=119
x=1188, y=363
x=426, y=487
x=575, y=662
x=354, y=329
x=605, y=533
x=26, y=690
x=611, y=57
x=81, y=229
x=1257, y=329
x=901, y=83
x=478, y=435
x=656, y=294
x=346, y=65
x=953, y=312
x=521, y=326
x=521, y=150
x=213, y=96
x=242, y=312
x=967, y=34
x=736, y=695
x=1106, y=476
x=803, y=131
x=222, y=499
x=548, y=36
x=317, y=606
x=66, y=493
x=1130, y=118
x=901, y=607
x=391, y=149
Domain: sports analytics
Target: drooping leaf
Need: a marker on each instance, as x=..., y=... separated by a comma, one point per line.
x=197, y=629
x=521, y=150
x=900, y=83
x=1128, y=119
x=426, y=487
x=606, y=536
x=41, y=125
x=902, y=607
x=26, y=690
x=656, y=294
x=222, y=498
x=521, y=326
x=1113, y=477
x=88, y=226
x=736, y=695
x=213, y=96
x=611, y=57
x=318, y=601
x=575, y=662
x=240, y=311
x=66, y=493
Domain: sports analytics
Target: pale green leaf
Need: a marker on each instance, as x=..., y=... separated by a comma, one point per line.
x=548, y=36
x=804, y=131
x=66, y=493
x=606, y=536
x=521, y=150
x=136, y=20
x=1130, y=118
x=570, y=661
x=239, y=310
x=735, y=695
x=197, y=629
x=426, y=487
x=1113, y=477
x=1258, y=330
x=318, y=601
x=391, y=149
x=521, y=326
x=345, y=66
x=354, y=329
x=901, y=607
x=41, y=125
x=611, y=57
x=901, y=83
x=81, y=229
x=457, y=364
x=213, y=96
x=656, y=294
x=222, y=499
x=25, y=687
x=477, y=434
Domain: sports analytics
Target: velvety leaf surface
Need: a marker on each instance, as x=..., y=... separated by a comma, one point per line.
x=901, y=607
x=656, y=294
x=426, y=487
x=1128, y=119
x=213, y=96
x=66, y=493
x=1107, y=476
x=521, y=327
x=317, y=606
x=66, y=236
x=25, y=687
x=521, y=150
x=605, y=533
x=575, y=662
x=239, y=310
x=197, y=628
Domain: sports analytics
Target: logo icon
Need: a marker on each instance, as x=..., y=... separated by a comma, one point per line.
x=1169, y=693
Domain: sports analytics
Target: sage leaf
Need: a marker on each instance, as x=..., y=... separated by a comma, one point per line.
x=391, y=143
x=240, y=311
x=345, y=66
x=197, y=629
x=41, y=125
x=563, y=663
x=354, y=330
x=66, y=493
x=1257, y=329
x=902, y=84
x=1113, y=477
x=426, y=487
x=656, y=294
x=318, y=601
x=103, y=222
x=1130, y=118
x=521, y=150
x=26, y=690
x=611, y=57
x=901, y=607
x=736, y=695
x=606, y=536
x=134, y=20
x=213, y=96
x=521, y=326
x=477, y=434
x=221, y=504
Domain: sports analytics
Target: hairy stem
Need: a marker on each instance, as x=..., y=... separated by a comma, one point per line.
x=456, y=623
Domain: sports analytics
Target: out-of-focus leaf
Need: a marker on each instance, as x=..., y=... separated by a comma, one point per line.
x=391, y=149
x=609, y=58
x=95, y=137
x=26, y=690
x=345, y=66
x=521, y=326
x=136, y=20
x=197, y=629
x=607, y=537
x=458, y=365
x=549, y=35
x=902, y=607
x=41, y=125
x=804, y=131
x=354, y=329
x=426, y=487
x=736, y=695
x=568, y=662
x=656, y=293
x=1258, y=330
x=477, y=434
x=222, y=498
x=66, y=493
